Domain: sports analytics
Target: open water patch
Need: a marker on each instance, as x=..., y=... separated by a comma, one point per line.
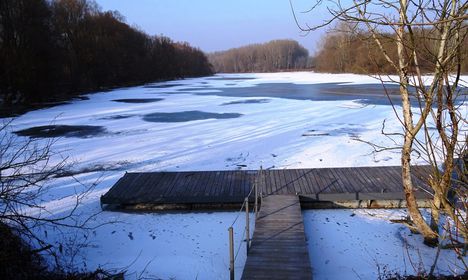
x=162, y=86
x=50, y=131
x=196, y=88
x=138, y=100
x=116, y=117
x=366, y=94
x=341, y=129
x=248, y=101
x=221, y=78
x=187, y=116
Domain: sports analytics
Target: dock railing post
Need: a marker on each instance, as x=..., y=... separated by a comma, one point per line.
x=247, y=225
x=256, y=195
x=231, y=253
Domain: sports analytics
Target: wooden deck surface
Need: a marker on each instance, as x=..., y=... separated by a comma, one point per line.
x=279, y=249
x=224, y=187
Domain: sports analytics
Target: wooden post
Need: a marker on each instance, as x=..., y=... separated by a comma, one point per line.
x=231, y=253
x=256, y=197
x=247, y=225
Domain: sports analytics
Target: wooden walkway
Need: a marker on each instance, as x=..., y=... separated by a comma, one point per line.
x=279, y=249
x=221, y=188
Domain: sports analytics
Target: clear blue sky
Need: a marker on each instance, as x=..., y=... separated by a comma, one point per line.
x=214, y=25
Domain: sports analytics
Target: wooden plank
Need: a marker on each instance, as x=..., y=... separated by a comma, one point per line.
x=276, y=184
x=209, y=183
x=120, y=184
x=369, y=185
x=289, y=182
x=192, y=183
x=116, y=191
x=295, y=183
x=355, y=181
x=180, y=184
x=362, y=182
x=235, y=190
x=172, y=178
x=198, y=186
x=321, y=184
x=301, y=181
x=279, y=249
x=283, y=189
x=228, y=185
x=150, y=189
x=132, y=187
x=346, y=179
x=393, y=176
x=340, y=186
x=272, y=178
x=314, y=185
x=382, y=178
x=217, y=183
x=220, y=183
x=246, y=183
x=327, y=180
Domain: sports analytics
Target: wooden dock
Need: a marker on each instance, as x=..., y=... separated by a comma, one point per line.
x=279, y=249
x=221, y=189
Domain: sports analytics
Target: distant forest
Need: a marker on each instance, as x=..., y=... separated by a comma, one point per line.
x=277, y=55
x=343, y=52
x=339, y=52
x=53, y=49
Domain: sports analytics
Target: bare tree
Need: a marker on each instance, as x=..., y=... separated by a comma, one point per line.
x=27, y=166
x=430, y=33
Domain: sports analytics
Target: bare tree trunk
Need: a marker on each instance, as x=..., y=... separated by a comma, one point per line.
x=435, y=214
x=430, y=237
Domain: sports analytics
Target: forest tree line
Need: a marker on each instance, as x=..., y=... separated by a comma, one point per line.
x=343, y=51
x=54, y=49
x=276, y=55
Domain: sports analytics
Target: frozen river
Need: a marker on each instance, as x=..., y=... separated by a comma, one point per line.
x=235, y=121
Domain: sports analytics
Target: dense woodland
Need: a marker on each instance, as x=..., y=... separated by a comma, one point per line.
x=277, y=55
x=342, y=51
x=54, y=49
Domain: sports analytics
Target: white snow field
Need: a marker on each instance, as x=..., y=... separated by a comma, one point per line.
x=228, y=121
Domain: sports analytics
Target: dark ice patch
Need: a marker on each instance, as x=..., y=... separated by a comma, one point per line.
x=81, y=97
x=117, y=117
x=49, y=131
x=162, y=86
x=367, y=94
x=248, y=101
x=351, y=130
x=187, y=116
x=221, y=78
x=195, y=88
x=138, y=100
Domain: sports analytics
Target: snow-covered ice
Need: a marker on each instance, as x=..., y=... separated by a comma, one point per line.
x=229, y=130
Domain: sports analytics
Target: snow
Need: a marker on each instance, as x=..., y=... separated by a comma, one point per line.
x=364, y=244
x=167, y=246
x=279, y=133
